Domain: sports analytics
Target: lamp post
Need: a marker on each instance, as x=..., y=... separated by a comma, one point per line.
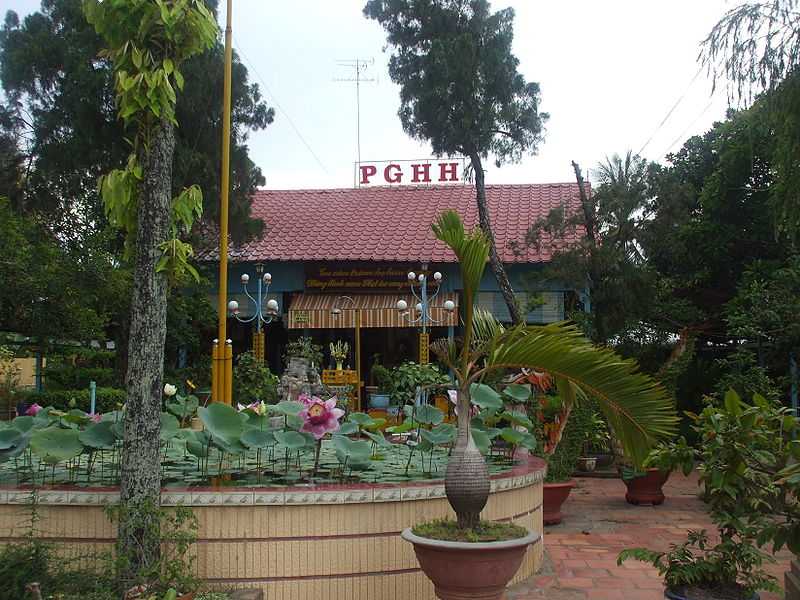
x=263, y=313
x=423, y=307
x=336, y=311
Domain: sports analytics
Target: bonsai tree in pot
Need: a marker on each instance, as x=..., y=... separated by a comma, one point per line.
x=470, y=558
x=748, y=465
x=383, y=380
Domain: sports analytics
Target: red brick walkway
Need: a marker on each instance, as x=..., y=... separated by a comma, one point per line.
x=581, y=553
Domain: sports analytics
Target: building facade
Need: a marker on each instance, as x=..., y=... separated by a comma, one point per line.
x=339, y=261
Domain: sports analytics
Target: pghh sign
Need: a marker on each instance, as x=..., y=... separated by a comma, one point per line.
x=410, y=172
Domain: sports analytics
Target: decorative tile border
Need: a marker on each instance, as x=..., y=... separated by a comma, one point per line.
x=521, y=476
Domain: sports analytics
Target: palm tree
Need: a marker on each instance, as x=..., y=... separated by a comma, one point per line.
x=637, y=407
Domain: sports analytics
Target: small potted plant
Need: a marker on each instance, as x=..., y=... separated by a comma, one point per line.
x=645, y=485
x=596, y=442
x=340, y=350
x=470, y=558
x=383, y=381
x=747, y=461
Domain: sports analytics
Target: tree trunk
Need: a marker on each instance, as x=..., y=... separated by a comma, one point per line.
x=466, y=481
x=140, y=466
x=494, y=259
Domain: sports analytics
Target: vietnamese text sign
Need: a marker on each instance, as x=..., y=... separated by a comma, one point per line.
x=320, y=277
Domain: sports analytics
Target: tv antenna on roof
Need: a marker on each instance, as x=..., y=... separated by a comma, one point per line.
x=359, y=66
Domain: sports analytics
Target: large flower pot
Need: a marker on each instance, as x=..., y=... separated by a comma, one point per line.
x=671, y=595
x=553, y=496
x=379, y=401
x=646, y=489
x=791, y=581
x=469, y=571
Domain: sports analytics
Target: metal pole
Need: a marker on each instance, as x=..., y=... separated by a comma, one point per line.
x=92, y=397
x=222, y=389
x=358, y=357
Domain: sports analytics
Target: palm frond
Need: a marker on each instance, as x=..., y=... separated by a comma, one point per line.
x=471, y=249
x=636, y=406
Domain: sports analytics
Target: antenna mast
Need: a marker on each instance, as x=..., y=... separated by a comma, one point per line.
x=359, y=66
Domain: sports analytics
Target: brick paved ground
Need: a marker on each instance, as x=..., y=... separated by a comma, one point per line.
x=580, y=554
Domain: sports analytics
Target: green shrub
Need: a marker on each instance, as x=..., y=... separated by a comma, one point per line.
x=253, y=381
x=409, y=375
x=68, y=377
x=304, y=347
x=106, y=399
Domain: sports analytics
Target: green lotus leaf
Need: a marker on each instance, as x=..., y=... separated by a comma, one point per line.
x=196, y=448
x=234, y=448
x=511, y=435
x=517, y=392
x=257, y=421
x=286, y=407
x=9, y=438
x=23, y=424
x=485, y=396
x=169, y=427
x=352, y=452
x=516, y=418
x=482, y=441
x=378, y=439
x=291, y=439
x=428, y=415
x=99, y=436
x=294, y=422
x=222, y=422
x=54, y=445
x=347, y=428
x=360, y=418
x=255, y=438
x=17, y=450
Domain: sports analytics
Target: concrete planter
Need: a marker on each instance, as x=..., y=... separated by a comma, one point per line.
x=463, y=570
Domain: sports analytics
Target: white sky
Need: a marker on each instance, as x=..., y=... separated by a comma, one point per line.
x=609, y=73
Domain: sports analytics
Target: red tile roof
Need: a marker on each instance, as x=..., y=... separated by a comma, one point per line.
x=394, y=223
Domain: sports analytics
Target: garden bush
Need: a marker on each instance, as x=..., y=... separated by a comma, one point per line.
x=68, y=377
x=107, y=399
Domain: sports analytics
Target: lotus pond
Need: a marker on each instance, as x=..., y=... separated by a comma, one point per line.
x=286, y=444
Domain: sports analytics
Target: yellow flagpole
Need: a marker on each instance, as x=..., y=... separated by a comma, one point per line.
x=221, y=384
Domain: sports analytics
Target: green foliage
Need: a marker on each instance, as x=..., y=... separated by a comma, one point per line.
x=106, y=399
x=304, y=347
x=561, y=464
x=147, y=44
x=177, y=528
x=408, y=376
x=486, y=531
x=383, y=379
x=60, y=376
x=253, y=381
x=460, y=88
x=748, y=467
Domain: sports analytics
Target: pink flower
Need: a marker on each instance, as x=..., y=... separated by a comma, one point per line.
x=33, y=409
x=319, y=417
x=97, y=417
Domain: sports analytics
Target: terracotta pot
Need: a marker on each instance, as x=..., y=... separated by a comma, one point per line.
x=553, y=496
x=469, y=571
x=646, y=489
x=791, y=581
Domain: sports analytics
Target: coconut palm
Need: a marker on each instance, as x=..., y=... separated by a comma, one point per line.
x=636, y=406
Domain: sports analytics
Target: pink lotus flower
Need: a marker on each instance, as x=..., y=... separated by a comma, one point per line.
x=33, y=409
x=319, y=417
x=97, y=417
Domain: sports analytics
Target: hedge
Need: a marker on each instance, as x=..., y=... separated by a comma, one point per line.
x=67, y=377
x=106, y=399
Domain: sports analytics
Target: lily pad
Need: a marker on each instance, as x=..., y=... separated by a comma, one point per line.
x=352, y=452
x=222, y=422
x=287, y=407
x=291, y=439
x=428, y=415
x=9, y=438
x=23, y=424
x=255, y=438
x=481, y=440
x=485, y=396
x=54, y=445
x=98, y=436
x=378, y=439
x=347, y=428
x=517, y=392
x=169, y=427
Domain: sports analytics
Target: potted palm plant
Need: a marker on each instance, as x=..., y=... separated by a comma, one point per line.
x=470, y=558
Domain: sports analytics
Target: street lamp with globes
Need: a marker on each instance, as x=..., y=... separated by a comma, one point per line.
x=264, y=313
x=423, y=307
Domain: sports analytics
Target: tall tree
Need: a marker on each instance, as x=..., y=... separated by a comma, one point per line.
x=147, y=44
x=756, y=48
x=461, y=91
x=69, y=133
x=607, y=260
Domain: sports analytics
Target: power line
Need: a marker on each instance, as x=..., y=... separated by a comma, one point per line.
x=688, y=127
x=671, y=110
x=279, y=107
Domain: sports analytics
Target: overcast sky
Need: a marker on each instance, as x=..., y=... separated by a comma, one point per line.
x=609, y=72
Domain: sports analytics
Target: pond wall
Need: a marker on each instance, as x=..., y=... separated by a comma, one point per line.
x=339, y=542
